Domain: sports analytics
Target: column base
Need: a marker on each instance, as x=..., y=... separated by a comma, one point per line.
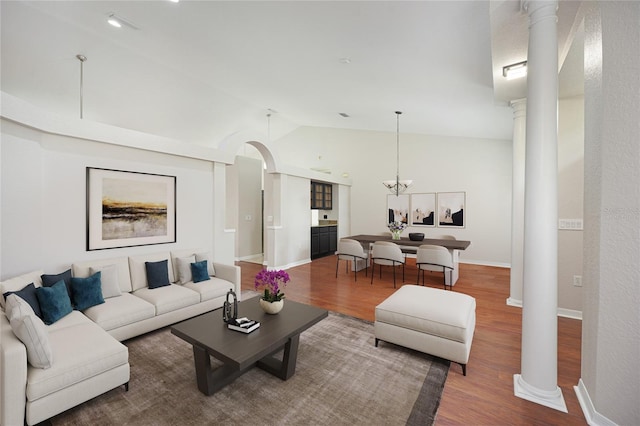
x=552, y=399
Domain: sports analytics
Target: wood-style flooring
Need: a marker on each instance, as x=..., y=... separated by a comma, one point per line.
x=485, y=396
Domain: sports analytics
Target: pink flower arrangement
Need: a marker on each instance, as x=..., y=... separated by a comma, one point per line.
x=272, y=282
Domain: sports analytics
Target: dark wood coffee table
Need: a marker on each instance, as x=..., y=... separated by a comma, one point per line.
x=239, y=352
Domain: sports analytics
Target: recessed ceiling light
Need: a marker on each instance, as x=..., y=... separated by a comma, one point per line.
x=174, y=1
x=344, y=60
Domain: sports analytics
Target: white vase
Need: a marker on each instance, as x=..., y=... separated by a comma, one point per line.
x=395, y=235
x=272, y=307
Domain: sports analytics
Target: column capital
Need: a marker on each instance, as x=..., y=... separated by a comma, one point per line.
x=519, y=107
x=539, y=10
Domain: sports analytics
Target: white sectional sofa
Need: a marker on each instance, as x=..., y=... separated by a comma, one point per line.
x=86, y=356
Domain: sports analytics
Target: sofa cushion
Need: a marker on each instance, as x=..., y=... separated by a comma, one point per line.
x=199, y=271
x=183, y=266
x=168, y=298
x=87, y=292
x=157, y=273
x=207, y=256
x=54, y=302
x=117, y=312
x=81, y=351
x=30, y=330
x=48, y=280
x=108, y=280
x=28, y=294
x=214, y=287
x=20, y=282
x=139, y=272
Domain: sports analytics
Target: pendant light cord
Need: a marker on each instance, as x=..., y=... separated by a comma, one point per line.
x=81, y=58
x=398, y=152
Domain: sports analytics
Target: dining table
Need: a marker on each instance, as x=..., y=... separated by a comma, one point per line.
x=409, y=246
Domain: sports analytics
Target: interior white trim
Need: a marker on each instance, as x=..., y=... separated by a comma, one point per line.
x=552, y=399
x=562, y=312
x=570, y=313
x=514, y=302
x=590, y=414
x=484, y=263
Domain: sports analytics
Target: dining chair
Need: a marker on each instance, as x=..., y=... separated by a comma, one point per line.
x=385, y=253
x=351, y=250
x=434, y=258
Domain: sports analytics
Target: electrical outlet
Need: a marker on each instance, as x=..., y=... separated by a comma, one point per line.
x=577, y=280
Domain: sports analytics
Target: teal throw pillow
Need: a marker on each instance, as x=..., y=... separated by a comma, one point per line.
x=157, y=273
x=54, y=302
x=199, y=271
x=87, y=292
x=49, y=280
x=28, y=294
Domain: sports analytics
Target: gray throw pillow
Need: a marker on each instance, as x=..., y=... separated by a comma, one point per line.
x=30, y=330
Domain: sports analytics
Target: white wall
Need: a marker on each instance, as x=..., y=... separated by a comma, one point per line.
x=570, y=200
x=609, y=388
x=480, y=167
x=248, y=209
x=43, y=198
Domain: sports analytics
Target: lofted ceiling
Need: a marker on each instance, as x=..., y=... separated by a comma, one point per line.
x=199, y=71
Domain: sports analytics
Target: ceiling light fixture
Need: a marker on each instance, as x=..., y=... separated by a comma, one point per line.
x=114, y=21
x=514, y=71
x=397, y=186
x=119, y=22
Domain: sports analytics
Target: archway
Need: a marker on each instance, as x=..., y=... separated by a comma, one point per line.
x=247, y=193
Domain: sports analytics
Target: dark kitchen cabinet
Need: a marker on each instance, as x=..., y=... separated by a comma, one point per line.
x=324, y=241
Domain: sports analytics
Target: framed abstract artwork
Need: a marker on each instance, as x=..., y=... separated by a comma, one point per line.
x=423, y=209
x=451, y=209
x=126, y=209
x=398, y=208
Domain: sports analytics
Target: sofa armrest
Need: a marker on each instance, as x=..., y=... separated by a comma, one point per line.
x=13, y=375
x=230, y=273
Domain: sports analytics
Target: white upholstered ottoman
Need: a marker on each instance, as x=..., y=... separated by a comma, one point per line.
x=433, y=321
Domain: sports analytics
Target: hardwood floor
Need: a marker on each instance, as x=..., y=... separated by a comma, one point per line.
x=485, y=396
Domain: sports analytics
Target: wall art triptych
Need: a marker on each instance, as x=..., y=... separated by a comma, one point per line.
x=442, y=209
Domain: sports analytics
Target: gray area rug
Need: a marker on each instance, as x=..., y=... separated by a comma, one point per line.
x=341, y=379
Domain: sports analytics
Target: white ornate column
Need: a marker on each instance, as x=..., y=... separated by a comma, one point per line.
x=517, y=201
x=538, y=381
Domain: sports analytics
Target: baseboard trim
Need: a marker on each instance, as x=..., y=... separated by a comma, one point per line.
x=590, y=414
x=483, y=263
x=251, y=256
x=562, y=312
x=514, y=302
x=570, y=313
x=291, y=265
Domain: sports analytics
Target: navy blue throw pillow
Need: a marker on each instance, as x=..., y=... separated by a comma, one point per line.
x=54, y=302
x=199, y=271
x=49, y=280
x=29, y=295
x=157, y=273
x=87, y=292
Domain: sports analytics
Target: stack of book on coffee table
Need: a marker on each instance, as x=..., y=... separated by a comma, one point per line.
x=243, y=325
